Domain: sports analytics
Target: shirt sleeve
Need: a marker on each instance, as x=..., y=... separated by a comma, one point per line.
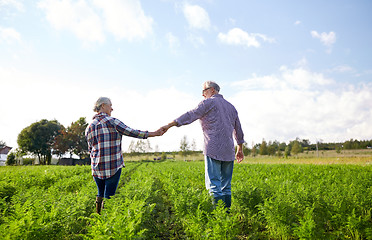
x=193, y=115
x=127, y=131
x=238, y=132
x=89, y=136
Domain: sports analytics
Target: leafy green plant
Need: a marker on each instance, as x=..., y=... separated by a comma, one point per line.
x=168, y=200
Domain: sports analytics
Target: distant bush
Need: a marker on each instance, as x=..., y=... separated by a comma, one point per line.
x=163, y=156
x=11, y=159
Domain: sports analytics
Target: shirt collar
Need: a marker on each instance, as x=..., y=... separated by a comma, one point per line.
x=100, y=115
x=217, y=95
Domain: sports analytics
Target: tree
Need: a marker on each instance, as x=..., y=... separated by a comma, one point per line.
x=72, y=140
x=282, y=146
x=287, y=151
x=296, y=147
x=38, y=139
x=193, y=145
x=11, y=159
x=15, y=157
x=62, y=143
x=254, y=149
x=279, y=154
x=141, y=146
x=77, y=135
x=272, y=147
x=184, y=147
x=132, y=147
x=163, y=156
x=2, y=144
x=193, y=149
x=263, y=148
x=246, y=150
x=305, y=144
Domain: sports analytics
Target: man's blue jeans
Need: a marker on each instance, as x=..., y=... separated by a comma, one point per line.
x=107, y=187
x=218, y=175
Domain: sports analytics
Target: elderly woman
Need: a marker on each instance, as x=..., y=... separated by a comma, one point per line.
x=220, y=122
x=104, y=141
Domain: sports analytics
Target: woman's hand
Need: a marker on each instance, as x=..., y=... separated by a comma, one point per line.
x=162, y=130
x=158, y=132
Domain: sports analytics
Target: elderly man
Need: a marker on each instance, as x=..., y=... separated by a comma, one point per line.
x=220, y=122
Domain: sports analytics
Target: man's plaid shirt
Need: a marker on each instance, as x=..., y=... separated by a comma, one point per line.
x=104, y=141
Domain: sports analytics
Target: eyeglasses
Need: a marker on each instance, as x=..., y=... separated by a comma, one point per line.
x=205, y=90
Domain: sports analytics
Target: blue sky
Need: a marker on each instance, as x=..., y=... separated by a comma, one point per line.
x=292, y=68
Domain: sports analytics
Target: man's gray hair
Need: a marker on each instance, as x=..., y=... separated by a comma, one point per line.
x=209, y=84
x=99, y=102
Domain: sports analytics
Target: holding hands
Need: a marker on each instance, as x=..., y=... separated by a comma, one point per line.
x=166, y=127
x=157, y=133
x=162, y=130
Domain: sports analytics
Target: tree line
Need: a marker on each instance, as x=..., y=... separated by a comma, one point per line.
x=48, y=137
x=300, y=145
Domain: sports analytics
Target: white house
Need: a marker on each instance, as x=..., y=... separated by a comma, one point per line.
x=3, y=154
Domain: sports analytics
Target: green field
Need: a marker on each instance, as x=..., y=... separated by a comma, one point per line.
x=168, y=200
x=358, y=157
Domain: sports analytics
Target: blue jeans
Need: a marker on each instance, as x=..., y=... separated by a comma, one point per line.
x=218, y=175
x=107, y=187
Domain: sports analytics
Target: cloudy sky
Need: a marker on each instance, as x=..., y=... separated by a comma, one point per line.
x=292, y=68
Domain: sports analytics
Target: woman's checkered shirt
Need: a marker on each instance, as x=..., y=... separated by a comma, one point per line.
x=104, y=136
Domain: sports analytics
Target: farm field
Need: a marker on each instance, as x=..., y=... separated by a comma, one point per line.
x=359, y=157
x=168, y=200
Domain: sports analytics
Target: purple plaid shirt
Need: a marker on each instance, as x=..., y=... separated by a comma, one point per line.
x=220, y=122
x=104, y=141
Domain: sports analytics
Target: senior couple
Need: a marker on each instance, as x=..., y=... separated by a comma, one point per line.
x=220, y=124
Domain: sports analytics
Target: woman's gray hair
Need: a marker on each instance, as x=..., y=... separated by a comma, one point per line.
x=99, y=102
x=209, y=84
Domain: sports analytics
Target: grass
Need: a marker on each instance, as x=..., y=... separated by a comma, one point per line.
x=321, y=160
x=357, y=157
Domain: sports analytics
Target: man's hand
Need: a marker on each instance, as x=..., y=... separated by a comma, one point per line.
x=166, y=127
x=239, y=153
x=162, y=130
x=158, y=132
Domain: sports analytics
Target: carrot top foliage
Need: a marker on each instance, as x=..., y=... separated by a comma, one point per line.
x=168, y=200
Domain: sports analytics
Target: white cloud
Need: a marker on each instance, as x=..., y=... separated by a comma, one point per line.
x=328, y=39
x=237, y=36
x=274, y=107
x=125, y=19
x=298, y=79
x=89, y=21
x=75, y=16
x=304, y=104
x=12, y=3
x=303, y=79
x=297, y=22
x=9, y=35
x=196, y=16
